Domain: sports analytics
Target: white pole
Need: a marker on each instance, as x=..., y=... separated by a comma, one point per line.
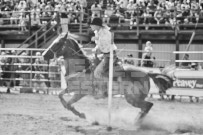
x=110, y=81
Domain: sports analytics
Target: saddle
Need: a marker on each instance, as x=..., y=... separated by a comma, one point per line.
x=117, y=66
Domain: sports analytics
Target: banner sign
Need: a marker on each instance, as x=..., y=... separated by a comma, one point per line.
x=191, y=83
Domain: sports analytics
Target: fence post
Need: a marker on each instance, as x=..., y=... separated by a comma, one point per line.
x=137, y=21
x=36, y=39
x=58, y=23
x=31, y=61
x=80, y=26
x=30, y=23
x=110, y=81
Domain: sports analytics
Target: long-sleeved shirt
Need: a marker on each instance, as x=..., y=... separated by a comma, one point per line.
x=104, y=40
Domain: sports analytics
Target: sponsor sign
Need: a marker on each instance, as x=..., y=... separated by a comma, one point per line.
x=191, y=83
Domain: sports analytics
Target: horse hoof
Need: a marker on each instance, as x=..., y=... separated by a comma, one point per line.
x=82, y=115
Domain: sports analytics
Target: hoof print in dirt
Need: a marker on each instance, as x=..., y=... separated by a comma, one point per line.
x=95, y=123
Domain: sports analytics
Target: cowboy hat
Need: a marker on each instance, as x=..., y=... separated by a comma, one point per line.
x=96, y=21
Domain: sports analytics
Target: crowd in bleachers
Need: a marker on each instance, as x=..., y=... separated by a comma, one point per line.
x=169, y=12
x=16, y=12
x=149, y=11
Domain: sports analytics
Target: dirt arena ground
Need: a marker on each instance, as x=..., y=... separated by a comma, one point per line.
x=37, y=114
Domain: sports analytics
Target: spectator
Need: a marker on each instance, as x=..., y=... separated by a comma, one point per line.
x=6, y=14
x=119, y=12
x=195, y=6
x=54, y=70
x=151, y=7
x=178, y=6
x=124, y=3
x=39, y=61
x=49, y=8
x=35, y=16
x=2, y=62
x=25, y=76
x=148, y=46
x=11, y=67
x=108, y=12
x=130, y=9
x=121, y=7
x=3, y=59
x=83, y=3
x=185, y=5
x=15, y=16
x=186, y=64
x=170, y=5
x=96, y=10
x=172, y=20
x=129, y=60
x=158, y=16
x=147, y=17
x=64, y=18
x=23, y=22
x=194, y=16
x=44, y=15
x=194, y=66
x=5, y=67
x=40, y=84
x=22, y=6
x=147, y=60
x=78, y=9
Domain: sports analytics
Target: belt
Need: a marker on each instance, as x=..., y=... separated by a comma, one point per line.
x=109, y=52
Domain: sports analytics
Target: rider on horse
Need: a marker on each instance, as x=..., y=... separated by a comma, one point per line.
x=103, y=40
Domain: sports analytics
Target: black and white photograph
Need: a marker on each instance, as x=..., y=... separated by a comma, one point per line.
x=101, y=67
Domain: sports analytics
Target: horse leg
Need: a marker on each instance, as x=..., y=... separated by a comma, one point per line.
x=68, y=104
x=138, y=101
x=145, y=108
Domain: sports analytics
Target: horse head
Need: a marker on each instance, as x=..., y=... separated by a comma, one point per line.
x=65, y=45
x=56, y=48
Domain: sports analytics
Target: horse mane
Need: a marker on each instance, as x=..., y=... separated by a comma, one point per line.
x=81, y=52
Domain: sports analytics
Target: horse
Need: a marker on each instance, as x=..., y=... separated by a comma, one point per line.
x=130, y=80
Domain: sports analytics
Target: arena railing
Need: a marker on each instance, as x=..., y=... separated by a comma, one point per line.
x=190, y=60
x=42, y=33
x=23, y=74
x=159, y=62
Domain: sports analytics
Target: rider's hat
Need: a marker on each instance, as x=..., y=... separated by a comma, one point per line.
x=96, y=21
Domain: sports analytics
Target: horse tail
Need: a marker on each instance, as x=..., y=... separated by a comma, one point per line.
x=163, y=82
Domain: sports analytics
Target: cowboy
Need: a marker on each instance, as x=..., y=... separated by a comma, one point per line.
x=103, y=40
